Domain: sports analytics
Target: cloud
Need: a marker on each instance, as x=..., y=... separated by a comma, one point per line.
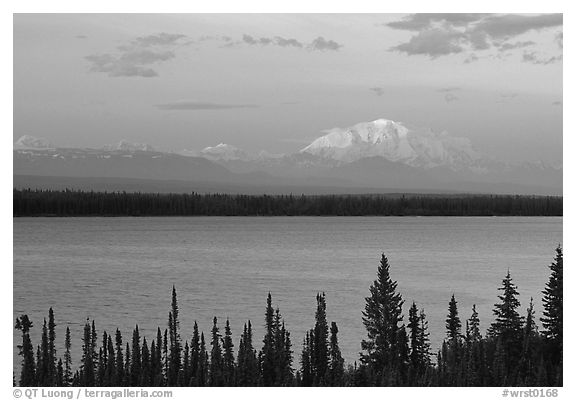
x=199, y=105
x=471, y=58
x=510, y=25
x=135, y=58
x=534, y=58
x=287, y=42
x=81, y=37
x=557, y=103
x=433, y=43
x=443, y=34
x=322, y=44
x=418, y=22
x=378, y=91
x=516, y=45
x=160, y=39
x=450, y=97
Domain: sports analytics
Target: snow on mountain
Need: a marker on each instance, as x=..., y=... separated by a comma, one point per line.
x=32, y=142
x=394, y=142
x=125, y=145
x=224, y=152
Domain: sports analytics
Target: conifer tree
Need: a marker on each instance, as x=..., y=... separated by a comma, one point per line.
x=552, y=319
x=247, y=369
x=473, y=334
x=216, y=361
x=203, y=368
x=268, y=355
x=26, y=350
x=453, y=324
x=145, y=366
x=175, y=343
x=51, y=349
x=336, y=362
x=136, y=360
x=158, y=365
x=44, y=378
x=87, y=377
x=306, y=362
x=67, y=359
x=228, y=358
x=119, y=376
x=127, y=366
x=381, y=318
x=507, y=329
x=111, y=363
x=320, y=346
x=194, y=352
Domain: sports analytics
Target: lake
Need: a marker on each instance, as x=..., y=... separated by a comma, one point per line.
x=120, y=271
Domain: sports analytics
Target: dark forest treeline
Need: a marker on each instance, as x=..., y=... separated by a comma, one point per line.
x=395, y=352
x=80, y=203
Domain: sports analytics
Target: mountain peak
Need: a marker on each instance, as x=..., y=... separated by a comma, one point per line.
x=395, y=142
x=223, y=151
x=32, y=142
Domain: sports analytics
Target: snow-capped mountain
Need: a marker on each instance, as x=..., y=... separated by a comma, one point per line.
x=394, y=142
x=225, y=152
x=32, y=142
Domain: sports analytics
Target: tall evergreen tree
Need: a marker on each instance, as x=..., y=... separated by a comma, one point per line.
x=216, y=361
x=453, y=323
x=552, y=320
x=194, y=354
x=268, y=355
x=119, y=376
x=473, y=334
x=175, y=342
x=336, y=361
x=136, y=361
x=26, y=350
x=87, y=375
x=228, y=358
x=320, y=346
x=507, y=329
x=67, y=359
x=51, y=348
x=381, y=317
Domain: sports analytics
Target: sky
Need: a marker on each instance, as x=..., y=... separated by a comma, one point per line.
x=275, y=82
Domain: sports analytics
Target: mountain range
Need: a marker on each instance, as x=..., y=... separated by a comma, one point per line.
x=376, y=156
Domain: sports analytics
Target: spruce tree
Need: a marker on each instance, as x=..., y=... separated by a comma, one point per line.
x=136, y=360
x=381, y=317
x=175, y=343
x=320, y=346
x=306, y=362
x=44, y=370
x=453, y=324
x=51, y=348
x=552, y=319
x=26, y=350
x=507, y=329
x=67, y=359
x=216, y=361
x=87, y=376
x=194, y=353
x=119, y=376
x=336, y=361
x=228, y=358
x=145, y=366
x=473, y=334
x=268, y=355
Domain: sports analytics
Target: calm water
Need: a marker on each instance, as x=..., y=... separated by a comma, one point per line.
x=120, y=271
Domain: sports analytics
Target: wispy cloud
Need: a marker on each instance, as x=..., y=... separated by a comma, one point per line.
x=516, y=45
x=443, y=34
x=378, y=91
x=534, y=58
x=136, y=58
x=201, y=105
x=451, y=97
x=322, y=44
x=557, y=103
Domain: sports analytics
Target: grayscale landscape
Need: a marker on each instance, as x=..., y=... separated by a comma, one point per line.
x=329, y=199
